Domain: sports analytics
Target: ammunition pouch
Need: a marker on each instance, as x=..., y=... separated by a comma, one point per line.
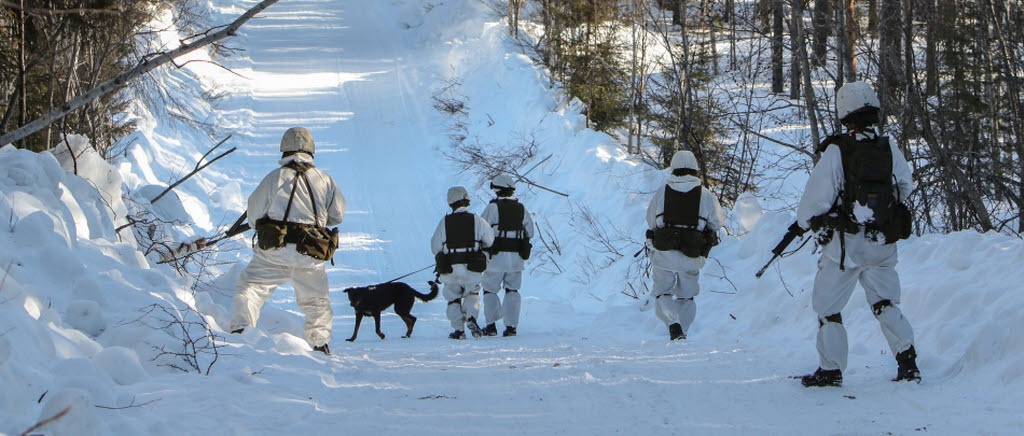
x=513, y=245
x=900, y=226
x=270, y=234
x=316, y=242
x=897, y=228
x=313, y=241
x=691, y=242
x=475, y=261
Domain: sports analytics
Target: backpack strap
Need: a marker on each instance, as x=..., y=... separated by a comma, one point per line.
x=288, y=209
x=311, y=198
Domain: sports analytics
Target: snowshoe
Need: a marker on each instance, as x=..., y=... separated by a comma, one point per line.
x=474, y=328
x=823, y=378
x=323, y=349
x=907, y=371
x=509, y=331
x=675, y=331
x=458, y=334
x=237, y=331
x=491, y=330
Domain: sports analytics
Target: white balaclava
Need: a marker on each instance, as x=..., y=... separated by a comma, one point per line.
x=456, y=193
x=297, y=139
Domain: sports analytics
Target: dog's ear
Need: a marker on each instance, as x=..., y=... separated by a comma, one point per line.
x=346, y=291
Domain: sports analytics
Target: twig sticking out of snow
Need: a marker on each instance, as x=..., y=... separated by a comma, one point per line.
x=46, y=421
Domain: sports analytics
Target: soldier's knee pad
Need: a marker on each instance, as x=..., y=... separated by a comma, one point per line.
x=878, y=307
x=836, y=318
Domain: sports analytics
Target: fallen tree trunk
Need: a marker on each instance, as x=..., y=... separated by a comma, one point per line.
x=122, y=79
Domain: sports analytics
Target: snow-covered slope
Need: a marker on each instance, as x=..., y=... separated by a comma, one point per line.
x=360, y=75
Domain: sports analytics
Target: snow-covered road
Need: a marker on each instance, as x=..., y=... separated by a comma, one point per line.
x=360, y=75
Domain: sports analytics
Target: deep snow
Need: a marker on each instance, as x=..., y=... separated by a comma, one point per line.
x=588, y=359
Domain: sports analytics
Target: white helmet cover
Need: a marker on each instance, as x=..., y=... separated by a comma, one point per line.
x=503, y=181
x=684, y=159
x=297, y=139
x=854, y=96
x=456, y=193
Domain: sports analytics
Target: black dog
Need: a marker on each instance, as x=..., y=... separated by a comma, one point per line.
x=372, y=300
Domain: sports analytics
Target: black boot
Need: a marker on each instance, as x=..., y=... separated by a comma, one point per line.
x=822, y=378
x=458, y=334
x=323, y=349
x=675, y=331
x=491, y=330
x=907, y=361
x=473, y=327
x=509, y=331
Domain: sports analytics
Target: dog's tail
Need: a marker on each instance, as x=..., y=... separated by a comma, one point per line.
x=431, y=295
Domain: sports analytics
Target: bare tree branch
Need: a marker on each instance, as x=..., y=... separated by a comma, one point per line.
x=152, y=62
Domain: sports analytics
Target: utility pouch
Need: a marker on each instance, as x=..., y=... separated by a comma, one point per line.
x=525, y=248
x=317, y=242
x=693, y=243
x=664, y=239
x=271, y=234
x=900, y=226
x=442, y=265
x=477, y=262
x=711, y=239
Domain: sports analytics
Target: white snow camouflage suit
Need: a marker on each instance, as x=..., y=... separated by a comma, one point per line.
x=462, y=286
x=504, y=269
x=675, y=275
x=872, y=263
x=272, y=268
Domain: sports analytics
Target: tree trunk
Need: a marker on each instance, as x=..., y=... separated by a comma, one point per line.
x=847, y=39
x=873, y=15
x=778, y=79
x=931, y=63
x=890, y=70
x=122, y=79
x=823, y=12
x=795, y=27
x=22, y=85
x=800, y=53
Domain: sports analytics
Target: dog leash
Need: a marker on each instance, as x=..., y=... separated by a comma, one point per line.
x=407, y=275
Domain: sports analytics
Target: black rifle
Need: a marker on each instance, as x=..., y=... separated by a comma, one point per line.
x=794, y=231
x=239, y=227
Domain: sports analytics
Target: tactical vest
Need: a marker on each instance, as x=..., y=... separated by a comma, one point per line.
x=682, y=209
x=460, y=231
x=681, y=216
x=511, y=235
x=460, y=239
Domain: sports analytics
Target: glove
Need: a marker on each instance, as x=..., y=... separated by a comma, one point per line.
x=796, y=229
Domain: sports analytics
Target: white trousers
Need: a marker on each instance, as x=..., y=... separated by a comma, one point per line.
x=674, y=292
x=832, y=290
x=463, y=303
x=495, y=309
x=261, y=278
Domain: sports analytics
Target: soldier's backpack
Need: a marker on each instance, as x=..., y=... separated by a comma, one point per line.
x=868, y=198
